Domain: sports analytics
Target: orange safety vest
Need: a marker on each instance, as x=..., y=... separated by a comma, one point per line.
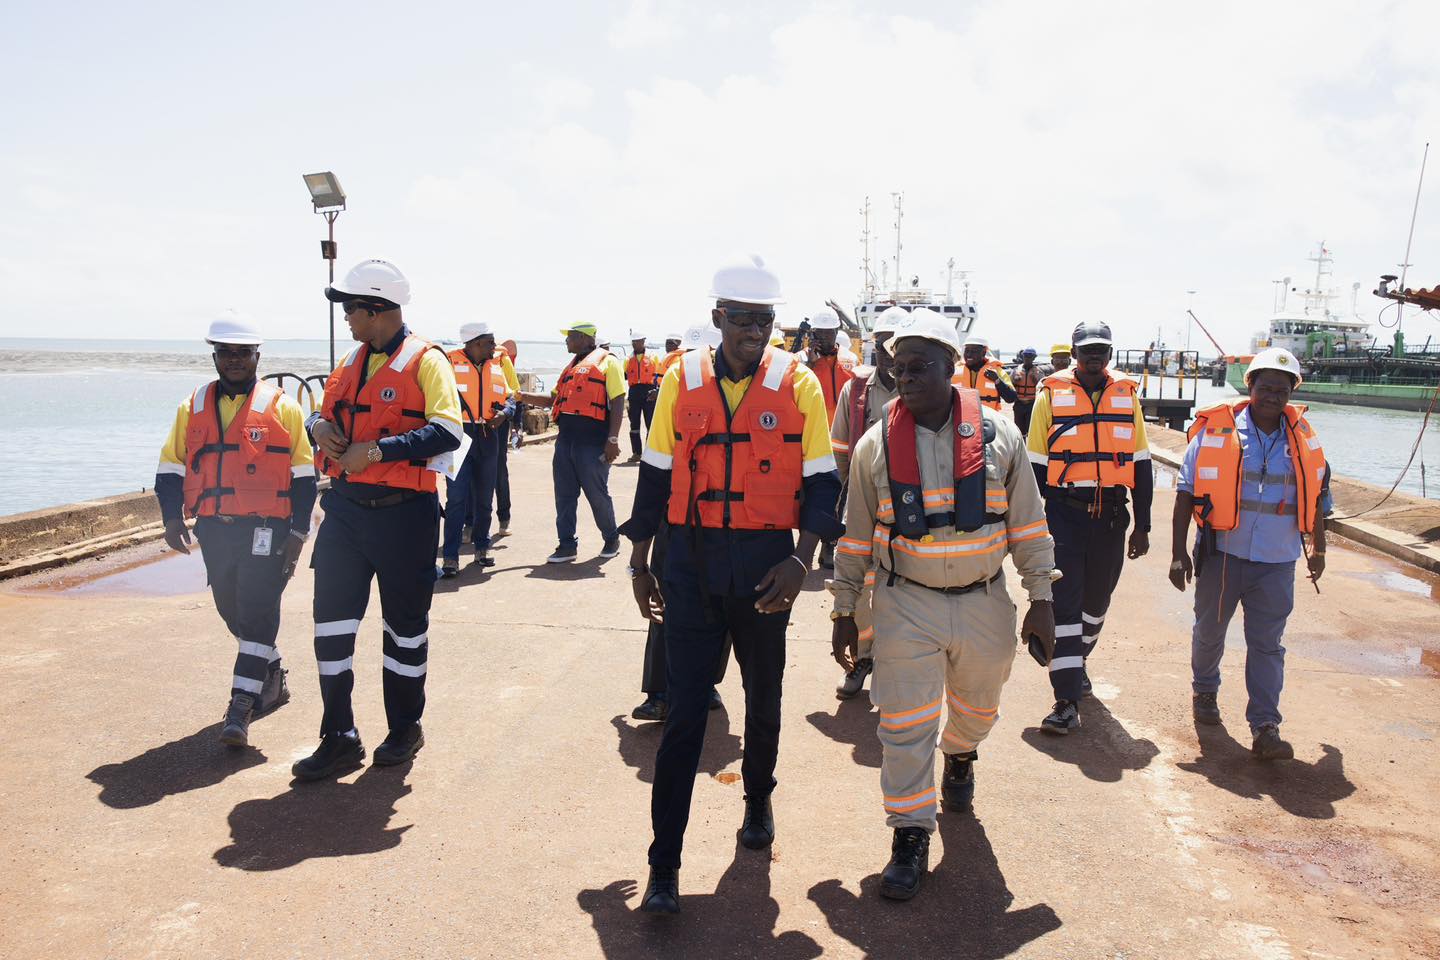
x=670, y=360
x=1091, y=443
x=741, y=470
x=483, y=390
x=977, y=381
x=640, y=370
x=1026, y=382
x=242, y=470
x=388, y=403
x=581, y=389
x=833, y=375
x=1219, y=473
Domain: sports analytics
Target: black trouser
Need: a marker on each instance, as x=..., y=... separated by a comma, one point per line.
x=1022, y=410
x=696, y=625
x=653, y=679
x=502, y=471
x=1089, y=551
x=641, y=400
x=247, y=592
x=396, y=545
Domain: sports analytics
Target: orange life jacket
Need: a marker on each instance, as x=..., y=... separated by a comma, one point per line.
x=640, y=370
x=670, y=360
x=243, y=470
x=1090, y=444
x=833, y=375
x=741, y=470
x=1026, y=382
x=483, y=390
x=1219, y=468
x=967, y=496
x=581, y=389
x=388, y=403
x=977, y=381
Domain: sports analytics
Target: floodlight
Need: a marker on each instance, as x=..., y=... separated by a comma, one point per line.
x=325, y=191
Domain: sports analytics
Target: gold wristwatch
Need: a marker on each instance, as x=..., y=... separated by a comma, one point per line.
x=841, y=615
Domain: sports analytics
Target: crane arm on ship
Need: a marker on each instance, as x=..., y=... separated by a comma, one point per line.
x=849, y=325
x=1206, y=332
x=1425, y=299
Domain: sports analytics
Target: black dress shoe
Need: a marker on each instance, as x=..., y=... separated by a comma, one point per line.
x=1205, y=708
x=909, y=859
x=337, y=753
x=654, y=709
x=236, y=731
x=957, y=789
x=400, y=745
x=662, y=893
x=758, y=830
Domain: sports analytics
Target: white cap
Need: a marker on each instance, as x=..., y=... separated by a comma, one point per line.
x=638, y=335
x=232, y=326
x=379, y=279
x=1275, y=358
x=926, y=324
x=479, y=328
x=745, y=279
x=974, y=340
x=824, y=319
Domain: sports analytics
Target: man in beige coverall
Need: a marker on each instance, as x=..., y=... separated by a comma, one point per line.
x=944, y=623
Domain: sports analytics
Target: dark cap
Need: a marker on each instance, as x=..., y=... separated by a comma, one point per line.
x=1091, y=332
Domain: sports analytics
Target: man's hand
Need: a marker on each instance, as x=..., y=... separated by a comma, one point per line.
x=329, y=439
x=177, y=535
x=1040, y=622
x=612, y=449
x=781, y=585
x=1179, y=576
x=1316, y=562
x=990, y=374
x=845, y=642
x=647, y=596
x=1139, y=544
x=354, y=459
x=495, y=421
x=293, y=546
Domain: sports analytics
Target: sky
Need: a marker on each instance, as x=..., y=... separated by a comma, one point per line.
x=530, y=164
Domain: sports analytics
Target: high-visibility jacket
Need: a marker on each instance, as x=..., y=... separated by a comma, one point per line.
x=242, y=470
x=482, y=389
x=977, y=381
x=641, y=370
x=966, y=498
x=387, y=403
x=671, y=358
x=1027, y=382
x=743, y=470
x=1220, y=473
x=581, y=389
x=1089, y=441
x=833, y=373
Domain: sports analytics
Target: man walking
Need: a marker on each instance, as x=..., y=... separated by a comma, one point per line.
x=485, y=405
x=642, y=378
x=824, y=357
x=1026, y=379
x=984, y=374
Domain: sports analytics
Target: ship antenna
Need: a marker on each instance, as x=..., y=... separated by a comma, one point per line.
x=867, y=279
x=899, y=216
x=1400, y=304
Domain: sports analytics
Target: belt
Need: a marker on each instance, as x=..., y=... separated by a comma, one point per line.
x=229, y=518
x=378, y=502
x=953, y=591
x=1110, y=503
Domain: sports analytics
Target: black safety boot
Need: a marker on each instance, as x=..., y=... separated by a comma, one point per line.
x=1064, y=718
x=654, y=709
x=854, y=681
x=909, y=860
x=715, y=702
x=957, y=788
x=276, y=692
x=337, y=753
x=662, y=893
x=758, y=830
x=236, y=731
x=483, y=559
x=1086, y=689
x=827, y=556
x=1269, y=746
x=1205, y=708
x=400, y=745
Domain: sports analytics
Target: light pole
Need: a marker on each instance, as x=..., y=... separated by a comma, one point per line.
x=328, y=199
x=1189, y=324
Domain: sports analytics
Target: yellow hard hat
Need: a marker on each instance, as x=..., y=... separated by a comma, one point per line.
x=1060, y=348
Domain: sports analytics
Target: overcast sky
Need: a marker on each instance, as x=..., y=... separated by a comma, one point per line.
x=529, y=163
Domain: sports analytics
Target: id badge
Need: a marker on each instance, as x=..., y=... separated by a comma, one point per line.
x=260, y=546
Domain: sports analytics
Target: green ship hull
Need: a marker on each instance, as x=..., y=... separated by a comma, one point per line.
x=1391, y=396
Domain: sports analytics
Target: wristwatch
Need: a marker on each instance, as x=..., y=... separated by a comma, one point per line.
x=634, y=572
x=373, y=454
x=1177, y=565
x=841, y=615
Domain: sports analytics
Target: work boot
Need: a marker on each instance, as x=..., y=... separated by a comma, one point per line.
x=337, y=753
x=909, y=860
x=854, y=681
x=449, y=569
x=715, y=702
x=276, y=692
x=758, y=830
x=654, y=709
x=503, y=531
x=1269, y=746
x=634, y=458
x=1205, y=708
x=827, y=556
x=483, y=559
x=400, y=745
x=563, y=554
x=1064, y=718
x=610, y=548
x=236, y=732
x=662, y=893
x=957, y=788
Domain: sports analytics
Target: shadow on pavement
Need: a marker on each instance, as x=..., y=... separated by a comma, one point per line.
x=962, y=909
x=854, y=722
x=1102, y=748
x=639, y=741
x=331, y=818
x=737, y=920
x=587, y=569
x=1303, y=789
x=199, y=760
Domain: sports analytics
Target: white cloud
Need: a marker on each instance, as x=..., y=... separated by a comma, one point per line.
x=643, y=26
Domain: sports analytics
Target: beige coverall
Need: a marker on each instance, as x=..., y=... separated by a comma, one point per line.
x=932, y=650
x=876, y=396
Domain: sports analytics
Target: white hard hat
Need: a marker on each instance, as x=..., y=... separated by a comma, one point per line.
x=885, y=323
x=479, y=328
x=842, y=340
x=674, y=336
x=975, y=340
x=745, y=279
x=696, y=336
x=824, y=319
x=1275, y=358
x=638, y=335
x=376, y=279
x=232, y=326
x=926, y=324
x=602, y=339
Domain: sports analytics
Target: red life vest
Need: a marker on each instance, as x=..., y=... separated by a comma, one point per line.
x=581, y=389
x=482, y=389
x=1091, y=444
x=833, y=375
x=640, y=370
x=976, y=380
x=1219, y=468
x=242, y=470
x=902, y=465
x=389, y=402
x=742, y=470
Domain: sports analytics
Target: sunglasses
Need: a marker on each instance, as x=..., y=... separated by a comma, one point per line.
x=235, y=352
x=1092, y=350
x=351, y=306
x=913, y=368
x=759, y=319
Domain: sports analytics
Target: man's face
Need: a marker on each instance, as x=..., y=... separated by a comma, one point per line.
x=1092, y=358
x=672, y=345
x=922, y=375
x=883, y=360
x=638, y=345
x=577, y=342
x=744, y=330
x=480, y=349
x=361, y=320
x=1027, y=361
x=1060, y=361
x=1270, y=390
x=974, y=356
x=823, y=341
x=236, y=363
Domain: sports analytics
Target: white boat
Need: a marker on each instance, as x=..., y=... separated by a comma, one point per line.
x=1319, y=324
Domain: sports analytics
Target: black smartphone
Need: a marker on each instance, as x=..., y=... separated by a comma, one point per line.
x=1037, y=650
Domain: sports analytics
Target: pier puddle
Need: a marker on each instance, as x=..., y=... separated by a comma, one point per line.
x=167, y=575
x=1417, y=584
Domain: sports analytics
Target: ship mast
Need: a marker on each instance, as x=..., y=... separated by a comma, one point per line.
x=867, y=276
x=899, y=199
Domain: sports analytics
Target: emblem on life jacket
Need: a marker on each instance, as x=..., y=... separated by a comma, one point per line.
x=769, y=421
x=966, y=429
x=255, y=434
x=907, y=497
x=388, y=394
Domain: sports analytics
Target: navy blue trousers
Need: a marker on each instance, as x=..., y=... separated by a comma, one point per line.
x=247, y=592
x=502, y=469
x=640, y=403
x=1089, y=551
x=471, y=494
x=579, y=467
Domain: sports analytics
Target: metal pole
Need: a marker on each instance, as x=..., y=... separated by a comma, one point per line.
x=1405, y=267
x=330, y=221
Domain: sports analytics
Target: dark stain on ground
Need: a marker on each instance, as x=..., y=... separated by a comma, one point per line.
x=1366, y=869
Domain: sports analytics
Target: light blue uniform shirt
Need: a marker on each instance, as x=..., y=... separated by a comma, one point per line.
x=1260, y=536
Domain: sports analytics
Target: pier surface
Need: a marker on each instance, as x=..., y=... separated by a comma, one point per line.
x=521, y=828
